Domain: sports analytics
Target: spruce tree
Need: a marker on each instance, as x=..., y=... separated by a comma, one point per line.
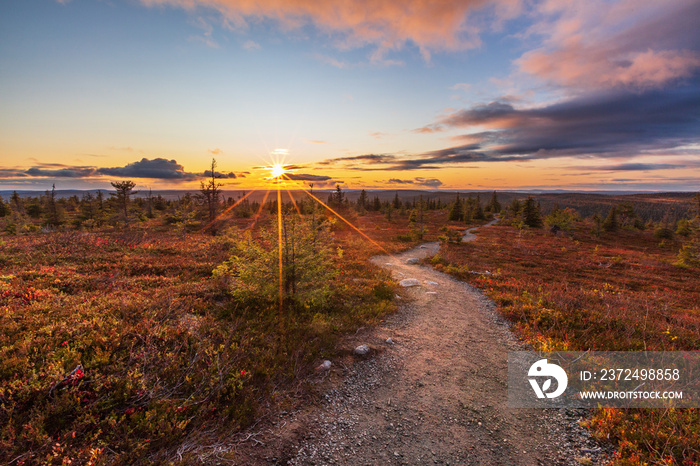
x=478, y=210
x=397, y=201
x=531, y=213
x=494, y=206
x=124, y=189
x=456, y=210
x=611, y=223
x=210, y=193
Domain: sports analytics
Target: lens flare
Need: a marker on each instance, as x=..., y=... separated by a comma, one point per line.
x=277, y=170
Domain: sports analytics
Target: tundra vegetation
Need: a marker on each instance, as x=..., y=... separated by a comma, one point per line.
x=137, y=328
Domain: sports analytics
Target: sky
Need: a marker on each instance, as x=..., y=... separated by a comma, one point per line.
x=377, y=94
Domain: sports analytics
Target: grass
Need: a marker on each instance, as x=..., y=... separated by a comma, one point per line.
x=122, y=347
x=617, y=292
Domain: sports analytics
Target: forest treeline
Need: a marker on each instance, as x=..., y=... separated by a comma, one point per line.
x=668, y=215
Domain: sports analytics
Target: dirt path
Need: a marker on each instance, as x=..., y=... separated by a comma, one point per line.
x=437, y=395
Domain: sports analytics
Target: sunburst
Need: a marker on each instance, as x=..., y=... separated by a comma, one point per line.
x=280, y=176
x=277, y=170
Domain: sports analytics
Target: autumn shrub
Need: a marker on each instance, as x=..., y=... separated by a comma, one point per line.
x=122, y=347
x=620, y=292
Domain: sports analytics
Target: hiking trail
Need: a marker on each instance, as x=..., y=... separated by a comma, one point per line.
x=436, y=395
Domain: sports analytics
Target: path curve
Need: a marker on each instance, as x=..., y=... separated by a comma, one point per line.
x=437, y=395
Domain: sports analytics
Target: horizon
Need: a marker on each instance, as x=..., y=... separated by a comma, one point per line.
x=508, y=96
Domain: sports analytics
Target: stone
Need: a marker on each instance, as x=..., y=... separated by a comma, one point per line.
x=362, y=350
x=409, y=282
x=389, y=341
x=412, y=260
x=428, y=282
x=324, y=366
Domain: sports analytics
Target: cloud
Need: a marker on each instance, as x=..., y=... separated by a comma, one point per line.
x=11, y=173
x=229, y=175
x=638, y=44
x=319, y=181
x=207, y=35
x=366, y=158
x=251, y=45
x=157, y=168
x=634, y=167
x=76, y=172
x=461, y=87
x=307, y=177
x=432, y=182
x=216, y=151
x=316, y=141
x=387, y=24
x=605, y=124
x=332, y=61
x=429, y=160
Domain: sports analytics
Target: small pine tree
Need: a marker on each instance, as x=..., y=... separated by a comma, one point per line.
x=531, y=213
x=611, y=223
x=494, y=206
x=16, y=202
x=53, y=217
x=124, y=189
x=397, y=202
x=456, y=213
x=362, y=201
x=210, y=193
x=4, y=208
x=478, y=210
x=515, y=207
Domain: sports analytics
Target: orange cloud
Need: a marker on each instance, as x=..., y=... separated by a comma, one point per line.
x=429, y=24
x=581, y=66
x=631, y=43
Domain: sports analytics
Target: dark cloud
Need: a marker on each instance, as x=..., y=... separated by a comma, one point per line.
x=229, y=175
x=634, y=167
x=157, y=168
x=607, y=124
x=306, y=177
x=11, y=173
x=366, y=158
x=610, y=124
x=432, y=182
x=75, y=172
x=428, y=161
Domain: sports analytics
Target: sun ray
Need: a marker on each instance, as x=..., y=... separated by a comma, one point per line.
x=342, y=218
x=257, y=215
x=279, y=251
x=228, y=209
x=294, y=202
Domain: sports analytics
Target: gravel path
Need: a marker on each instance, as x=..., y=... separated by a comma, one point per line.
x=436, y=395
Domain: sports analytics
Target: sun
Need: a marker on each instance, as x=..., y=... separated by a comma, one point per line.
x=277, y=170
